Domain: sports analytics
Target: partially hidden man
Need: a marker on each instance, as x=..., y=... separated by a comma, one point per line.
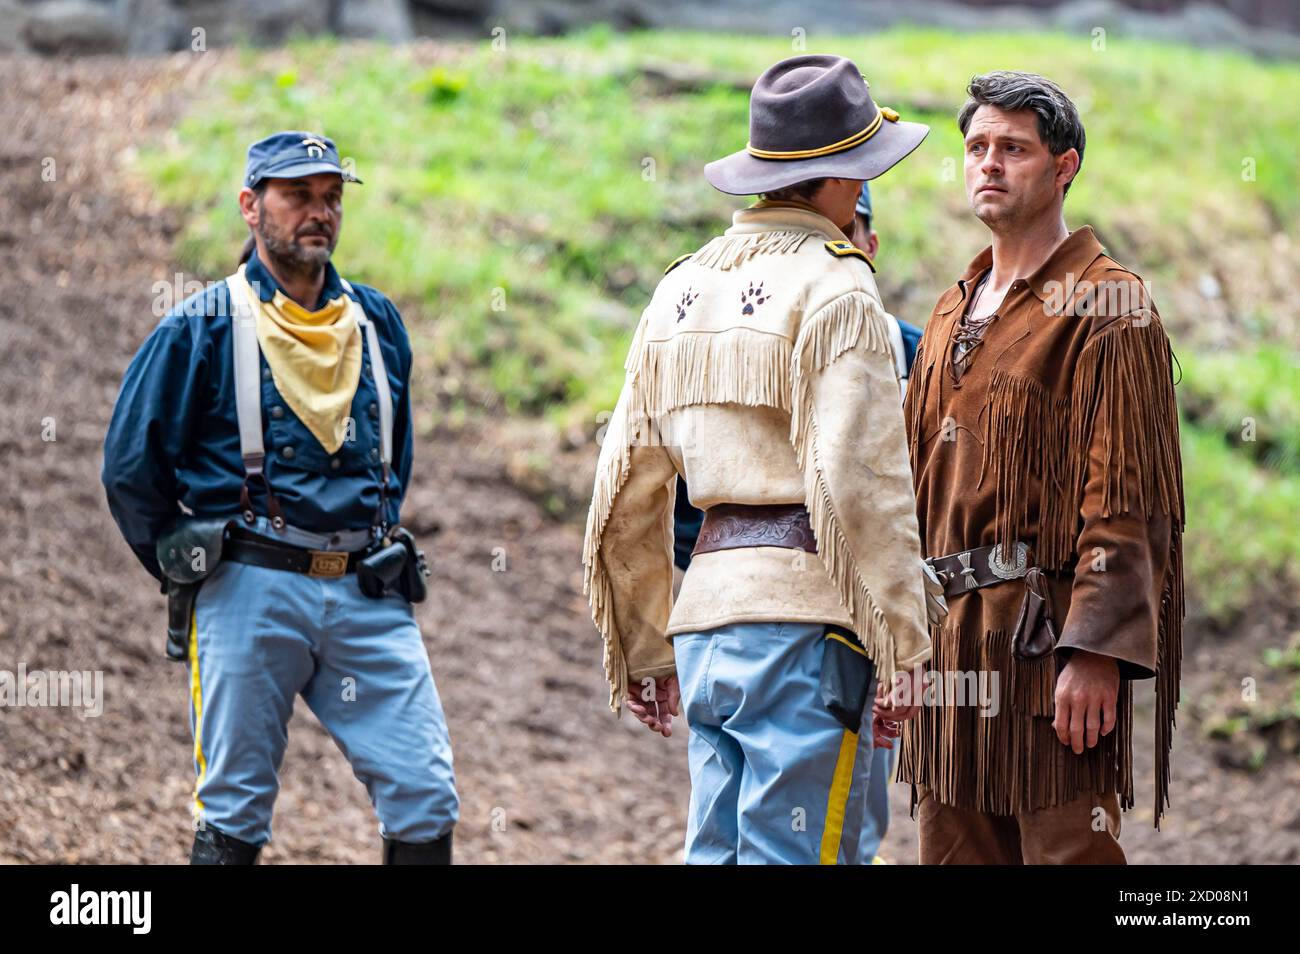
x=1044, y=442
x=762, y=373
x=275, y=407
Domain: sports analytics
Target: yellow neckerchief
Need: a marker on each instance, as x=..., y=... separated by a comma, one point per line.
x=315, y=359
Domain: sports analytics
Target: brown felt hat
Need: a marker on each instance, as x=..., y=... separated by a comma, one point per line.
x=812, y=117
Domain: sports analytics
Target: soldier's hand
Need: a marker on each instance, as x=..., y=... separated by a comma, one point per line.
x=884, y=731
x=891, y=708
x=654, y=702
x=1085, y=700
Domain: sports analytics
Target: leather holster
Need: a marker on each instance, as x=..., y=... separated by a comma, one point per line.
x=187, y=551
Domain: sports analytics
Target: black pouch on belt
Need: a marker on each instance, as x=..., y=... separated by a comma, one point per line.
x=380, y=572
x=847, y=673
x=399, y=567
x=412, y=583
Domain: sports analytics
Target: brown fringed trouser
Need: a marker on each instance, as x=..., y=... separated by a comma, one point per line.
x=1062, y=835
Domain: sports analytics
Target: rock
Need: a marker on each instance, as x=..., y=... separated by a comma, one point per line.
x=12, y=19
x=388, y=20
x=74, y=27
x=156, y=26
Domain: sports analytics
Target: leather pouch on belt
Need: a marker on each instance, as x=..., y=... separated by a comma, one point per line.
x=1035, y=633
x=847, y=673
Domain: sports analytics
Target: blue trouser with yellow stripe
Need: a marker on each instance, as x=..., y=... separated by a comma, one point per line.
x=775, y=778
x=261, y=637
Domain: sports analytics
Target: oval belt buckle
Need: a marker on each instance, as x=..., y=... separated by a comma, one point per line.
x=1009, y=570
x=328, y=563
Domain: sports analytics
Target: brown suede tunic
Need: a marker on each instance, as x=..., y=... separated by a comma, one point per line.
x=1061, y=433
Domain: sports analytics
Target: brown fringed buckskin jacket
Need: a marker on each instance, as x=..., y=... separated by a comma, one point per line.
x=1061, y=433
x=762, y=372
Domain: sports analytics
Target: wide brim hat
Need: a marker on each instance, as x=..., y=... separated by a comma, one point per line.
x=813, y=117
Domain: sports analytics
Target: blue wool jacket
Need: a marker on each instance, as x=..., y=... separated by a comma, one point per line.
x=174, y=435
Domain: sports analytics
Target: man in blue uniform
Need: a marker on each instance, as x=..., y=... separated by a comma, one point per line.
x=256, y=463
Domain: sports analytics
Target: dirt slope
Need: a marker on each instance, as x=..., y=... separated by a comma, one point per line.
x=545, y=773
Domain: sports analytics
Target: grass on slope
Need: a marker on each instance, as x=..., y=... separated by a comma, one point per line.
x=521, y=204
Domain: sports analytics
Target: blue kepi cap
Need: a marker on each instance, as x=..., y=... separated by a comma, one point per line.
x=288, y=155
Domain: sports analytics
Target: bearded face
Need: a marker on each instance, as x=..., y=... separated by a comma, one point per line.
x=298, y=221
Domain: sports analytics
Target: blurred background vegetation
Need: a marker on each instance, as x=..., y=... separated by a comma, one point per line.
x=520, y=206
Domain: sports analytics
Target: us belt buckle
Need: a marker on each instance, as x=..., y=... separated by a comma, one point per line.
x=328, y=563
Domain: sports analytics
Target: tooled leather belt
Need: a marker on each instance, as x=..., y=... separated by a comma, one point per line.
x=730, y=526
x=980, y=567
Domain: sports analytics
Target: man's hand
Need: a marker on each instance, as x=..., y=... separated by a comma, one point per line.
x=894, y=704
x=1085, y=700
x=654, y=702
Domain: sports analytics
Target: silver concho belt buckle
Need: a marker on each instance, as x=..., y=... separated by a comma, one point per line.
x=1012, y=569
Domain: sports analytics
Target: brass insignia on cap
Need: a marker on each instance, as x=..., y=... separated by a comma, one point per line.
x=677, y=261
x=315, y=148
x=841, y=249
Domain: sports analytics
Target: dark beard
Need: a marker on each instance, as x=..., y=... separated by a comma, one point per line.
x=290, y=258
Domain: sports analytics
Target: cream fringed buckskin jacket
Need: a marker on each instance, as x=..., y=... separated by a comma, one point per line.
x=762, y=372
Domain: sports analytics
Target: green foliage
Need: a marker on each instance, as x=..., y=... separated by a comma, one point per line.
x=1252, y=398
x=1241, y=537
x=520, y=206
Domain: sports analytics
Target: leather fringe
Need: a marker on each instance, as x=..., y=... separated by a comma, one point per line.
x=1123, y=390
x=847, y=321
x=1028, y=434
x=737, y=366
x=1012, y=762
x=610, y=477
x=1169, y=668
x=731, y=251
x=1123, y=384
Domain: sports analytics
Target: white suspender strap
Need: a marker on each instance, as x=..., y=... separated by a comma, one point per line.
x=248, y=383
x=248, y=397
x=381, y=386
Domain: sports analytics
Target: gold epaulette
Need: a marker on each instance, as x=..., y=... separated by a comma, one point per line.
x=840, y=249
x=677, y=261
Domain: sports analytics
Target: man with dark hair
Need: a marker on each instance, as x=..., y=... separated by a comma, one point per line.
x=1044, y=443
x=256, y=463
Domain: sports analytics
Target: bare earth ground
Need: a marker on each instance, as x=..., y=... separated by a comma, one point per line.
x=546, y=774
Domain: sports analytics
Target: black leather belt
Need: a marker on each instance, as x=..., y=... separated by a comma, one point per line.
x=282, y=556
x=731, y=526
x=980, y=567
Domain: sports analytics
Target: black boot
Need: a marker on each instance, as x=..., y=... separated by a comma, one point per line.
x=212, y=847
x=425, y=853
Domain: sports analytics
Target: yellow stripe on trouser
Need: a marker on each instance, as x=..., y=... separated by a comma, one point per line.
x=196, y=696
x=839, y=797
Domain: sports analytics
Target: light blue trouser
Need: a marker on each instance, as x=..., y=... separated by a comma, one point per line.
x=876, y=822
x=259, y=638
x=775, y=779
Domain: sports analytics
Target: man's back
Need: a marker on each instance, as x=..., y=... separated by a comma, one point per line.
x=762, y=373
